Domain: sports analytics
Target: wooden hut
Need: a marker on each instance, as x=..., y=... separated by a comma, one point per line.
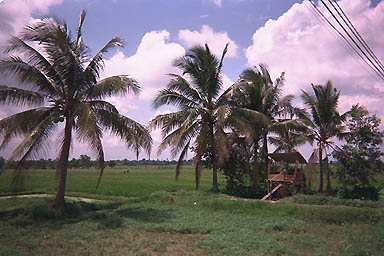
x=277, y=180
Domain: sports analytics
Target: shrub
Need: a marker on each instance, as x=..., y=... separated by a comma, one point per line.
x=364, y=193
x=327, y=200
x=42, y=211
x=246, y=191
x=111, y=221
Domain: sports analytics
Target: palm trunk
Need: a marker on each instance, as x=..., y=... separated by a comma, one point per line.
x=256, y=166
x=329, y=186
x=197, y=174
x=320, y=187
x=265, y=146
x=62, y=165
x=215, y=186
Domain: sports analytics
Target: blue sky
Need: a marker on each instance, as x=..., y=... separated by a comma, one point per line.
x=283, y=34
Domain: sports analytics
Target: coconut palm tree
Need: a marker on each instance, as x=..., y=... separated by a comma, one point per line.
x=61, y=83
x=325, y=122
x=202, y=112
x=257, y=95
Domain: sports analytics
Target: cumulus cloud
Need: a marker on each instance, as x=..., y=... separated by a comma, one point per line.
x=303, y=47
x=15, y=14
x=150, y=64
x=206, y=35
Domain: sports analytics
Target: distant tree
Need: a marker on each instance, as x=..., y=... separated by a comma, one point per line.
x=85, y=161
x=360, y=158
x=112, y=163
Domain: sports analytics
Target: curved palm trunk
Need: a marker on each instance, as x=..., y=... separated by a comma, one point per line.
x=62, y=165
x=320, y=187
x=329, y=186
x=256, y=166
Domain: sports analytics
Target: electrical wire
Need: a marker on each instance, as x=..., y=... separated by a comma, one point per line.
x=362, y=50
x=357, y=34
x=380, y=74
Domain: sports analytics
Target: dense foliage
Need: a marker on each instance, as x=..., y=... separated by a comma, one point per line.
x=359, y=159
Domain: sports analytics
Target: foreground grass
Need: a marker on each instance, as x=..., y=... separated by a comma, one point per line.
x=145, y=212
x=189, y=223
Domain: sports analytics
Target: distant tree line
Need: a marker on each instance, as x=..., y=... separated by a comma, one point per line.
x=86, y=162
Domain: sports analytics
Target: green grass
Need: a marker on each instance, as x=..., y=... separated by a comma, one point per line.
x=146, y=212
x=194, y=223
x=141, y=180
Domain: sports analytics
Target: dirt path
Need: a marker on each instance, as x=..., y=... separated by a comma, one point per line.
x=83, y=199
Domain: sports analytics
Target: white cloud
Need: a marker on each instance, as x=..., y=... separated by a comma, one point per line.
x=300, y=45
x=150, y=64
x=217, y=2
x=215, y=40
x=16, y=14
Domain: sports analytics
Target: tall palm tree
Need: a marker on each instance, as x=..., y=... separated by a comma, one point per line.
x=202, y=111
x=258, y=99
x=61, y=82
x=325, y=122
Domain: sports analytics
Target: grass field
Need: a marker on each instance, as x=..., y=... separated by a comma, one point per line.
x=146, y=212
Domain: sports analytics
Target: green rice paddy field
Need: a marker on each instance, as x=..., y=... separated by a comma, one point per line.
x=146, y=212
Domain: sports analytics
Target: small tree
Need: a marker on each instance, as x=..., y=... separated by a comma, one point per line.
x=359, y=159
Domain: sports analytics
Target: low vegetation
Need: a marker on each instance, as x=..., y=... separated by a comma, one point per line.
x=147, y=214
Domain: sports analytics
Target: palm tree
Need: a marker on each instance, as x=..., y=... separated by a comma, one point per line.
x=325, y=123
x=258, y=100
x=61, y=82
x=290, y=130
x=202, y=112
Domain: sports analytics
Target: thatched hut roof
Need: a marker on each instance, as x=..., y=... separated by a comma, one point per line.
x=290, y=157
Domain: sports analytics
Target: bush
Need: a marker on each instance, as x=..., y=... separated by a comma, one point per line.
x=364, y=193
x=246, y=191
x=42, y=211
x=73, y=210
x=328, y=200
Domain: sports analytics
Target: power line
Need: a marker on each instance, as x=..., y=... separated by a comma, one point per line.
x=357, y=43
x=357, y=34
x=348, y=48
x=380, y=71
x=346, y=40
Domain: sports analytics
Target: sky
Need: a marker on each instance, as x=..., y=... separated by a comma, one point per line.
x=283, y=34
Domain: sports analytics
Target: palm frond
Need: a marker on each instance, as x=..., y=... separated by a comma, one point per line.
x=21, y=124
x=92, y=71
x=37, y=70
x=111, y=86
x=100, y=104
x=88, y=131
x=171, y=97
x=30, y=147
x=19, y=97
x=181, y=158
x=134, y=134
